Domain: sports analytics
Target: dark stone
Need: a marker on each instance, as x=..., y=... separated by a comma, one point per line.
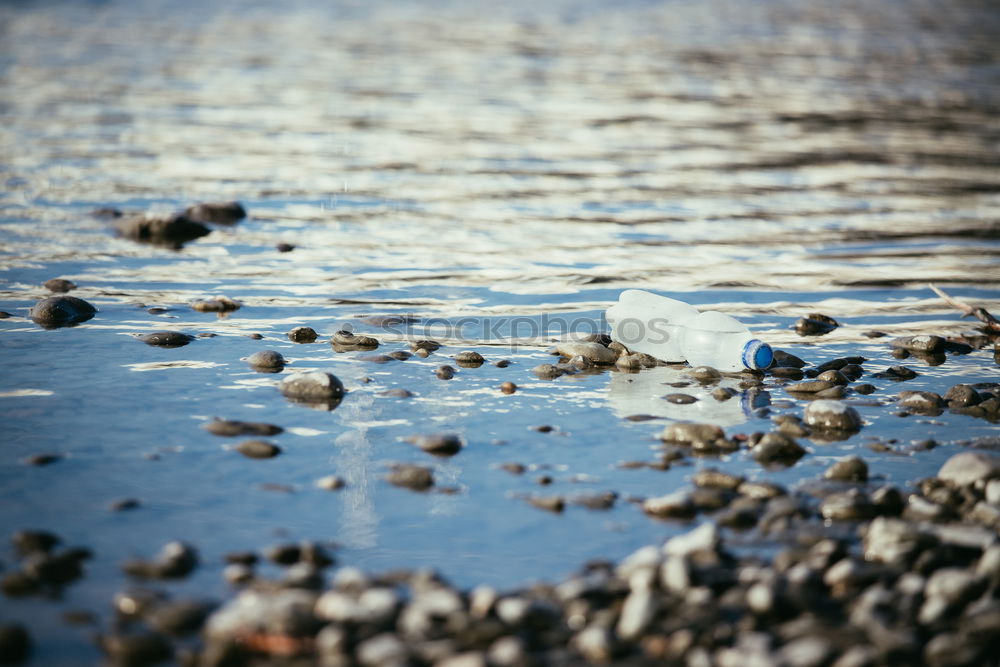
x=548, y=503
x=34, y=541
x=136, y=650
x=172, y=230
x=508, y=387
x=221, y=213
x=787, y=372
x=266, y=361
x=59, y=285
x=680, y=399
x=428, y=345
x=315, y=387
x=61, y=311
x=815, y=324
x=784, y=359
x=350, y=341
x=778, y=448
x=834, y=376
x=896, y=373
x=439, y=444
x=302, y=335
x=809, y=387
x=284, y=247
x=444, y=372
x=258, y=449
x=221, y=304
x=469, y=359
x=400, y=355
x=125, y=504
x=923, y=343
x=417, y=478
x=183, y=617
x=15, y=643
x=962, y=395
x=225, y=427
x=43, y=459
x=169, y=339
x=397, y=393
x=865, y=388
x=175, y=560
x=547, y=371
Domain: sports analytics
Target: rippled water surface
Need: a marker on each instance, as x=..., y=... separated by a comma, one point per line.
x=490, y=172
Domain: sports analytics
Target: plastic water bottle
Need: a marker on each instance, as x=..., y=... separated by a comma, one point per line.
x=672, y=330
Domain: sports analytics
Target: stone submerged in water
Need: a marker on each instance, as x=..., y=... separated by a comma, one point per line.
x=227, y=428
x=174, y=229
x=61, y=311
x=175, y=560
x=850, y=469
x=815, y=324
x=59, y=285
x=924, y=343
x=222, y=304
x=832, y=416
x=221, y=213
x=302, y=335
x=258, y=449
x=777, y=448
x=689, y=433
x=410, y=476
x=439, y=444
x=168, y=339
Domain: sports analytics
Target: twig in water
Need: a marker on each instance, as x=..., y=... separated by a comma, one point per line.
x=981, y=314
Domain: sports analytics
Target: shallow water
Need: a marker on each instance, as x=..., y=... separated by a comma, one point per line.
x=496, y=173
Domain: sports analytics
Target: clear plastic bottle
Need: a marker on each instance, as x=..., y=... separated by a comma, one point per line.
x=672, y=330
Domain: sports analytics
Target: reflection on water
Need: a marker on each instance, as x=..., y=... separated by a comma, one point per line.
x=470, y=165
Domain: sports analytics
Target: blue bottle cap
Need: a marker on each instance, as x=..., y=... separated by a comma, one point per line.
x=757, y=355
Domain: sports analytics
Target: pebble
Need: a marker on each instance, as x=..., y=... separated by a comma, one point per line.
x=15, y=643
x=137, y=648
x=428, y=345
x=469, y=359
x=676, y=505
x=833, y=376
x=172, y=230
x=629, y=362
x=508, y=387
x=896, y=373
x=593, y=352
x=180, y=617
x=348, y=340
x=723, y=393
x=221, y=213
x=220, y=304
x=967, y=468
x=27, y=542
x=553, y=504
x=312, y=387
x=285, y=247
x=865, y=388
x=962, y=395
x=705, y=374
x=691, y=433
x=43, y=459
x=923, y=343
x=924, y=402
x=787, y=360
x=853, y=505
x=787, y=372
x=168, y=339
x=400, y=355
x=809, y=387
x=407, y=475
x=680, y=399
x=61, y=311
x=547, y=371
x=266, y=361
x=716, y=479
x=377, y=359
x=59, y=285
x=397, y=392
x=302, y=335
x=331, y=483
x=439, y=444
x=226, y=427
x=815, y=324
x=175, y=560
x=777, y=448
x=832, y=416
x=444, y=372
x=850, y=469
x=258, y=449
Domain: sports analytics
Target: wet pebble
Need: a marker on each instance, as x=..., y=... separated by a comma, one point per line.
x=15, y=643
x=777, y=448
x=508, y=387
x=229, y=428
x=896, y=374
x=397, y=393
x=593, y=352
x=680, y=399
x=469, y=359
x=691, y=433
x=331, y=483
x=787, y=360
x=850, y=469
x=923, y=343
x=400, y=355
x=444, y=372
x=547, y=371
x=967, y=468
x=716, y=479
x=836, y=377
x=787, y=372
x=180, y=617
x=961, y=396
x=351, y=341
x=61, y=311
x=723, y=393
x=439, y=444
x=809, y=387
x=417, y=478
x=284, y=247
x=815, y=324
x=59, y=285
x=426, y=345
x=705, y=374
x=258, y=449
x=377, y=359
x=852, y=505
x=220, y=304
x=44, y=459
x=175, y=560
x=167, y=339
x=266, y=361
x=172, y=230
x=832, y=416
x=315, y=386
x=136, y=648
x=676, y=505
x=924, y=402
x=302, y=335
x=554, y=504
x=220, y=213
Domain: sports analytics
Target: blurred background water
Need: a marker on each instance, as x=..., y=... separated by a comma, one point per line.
x=462, y=162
